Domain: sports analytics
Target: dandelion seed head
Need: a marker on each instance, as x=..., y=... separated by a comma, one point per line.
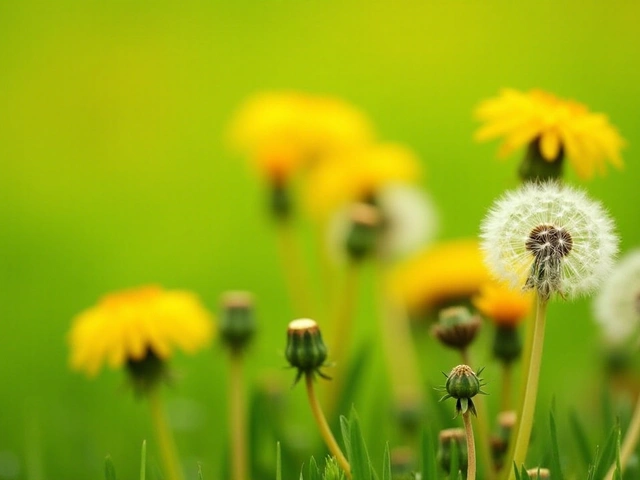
x=549, y=237
x=617, y=305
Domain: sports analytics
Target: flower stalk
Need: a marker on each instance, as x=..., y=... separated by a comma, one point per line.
x=164, y=437
x=471, y=448
x=237, y=417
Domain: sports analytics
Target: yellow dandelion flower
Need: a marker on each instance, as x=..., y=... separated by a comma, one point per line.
x=282, y=132
x=441, y=275
x=126, y=326
x=560, y=128
x=504, y=305
x=359, y=175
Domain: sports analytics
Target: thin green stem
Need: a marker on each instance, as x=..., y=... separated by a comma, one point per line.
x=507, y=375
x=237, y=418
x=525, y=423
x=471, y=447
x=323, y=426
x=168, y=451
x=143, y=461
x=296, y=276
x=484, y=432
x=629, y=443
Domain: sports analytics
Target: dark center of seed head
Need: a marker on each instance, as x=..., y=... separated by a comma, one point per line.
x=549, y=240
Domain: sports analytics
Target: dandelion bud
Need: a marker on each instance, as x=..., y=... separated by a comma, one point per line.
x=445, y=440
x=500, y=442
x=305, y=349
x=408, y=413
x=539, y=473
x=237, y=321
x=147, y=372
x=363, y=232
x=507, y=344
x=463, y=384
x=457, y=328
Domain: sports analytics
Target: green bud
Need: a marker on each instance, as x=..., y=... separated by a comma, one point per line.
x=463, y=384
x=445, y=440
x=237, y=320
x=457, y=327
x=507, y=345
x=305, y=349
x=363, y=231
x=535, y=167
x=500, y=442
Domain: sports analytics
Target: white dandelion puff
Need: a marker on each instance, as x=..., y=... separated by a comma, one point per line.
x=617, y=305
x=549, y=237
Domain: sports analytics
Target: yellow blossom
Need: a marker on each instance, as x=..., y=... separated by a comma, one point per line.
x=127, y=325
x=562, y=128
x=282, y=132
x=504, y=305
x=444, y=273
x=358, y=175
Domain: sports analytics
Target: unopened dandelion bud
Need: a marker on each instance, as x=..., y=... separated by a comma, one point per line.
x=539, y=473
x=500, y=442
x=445, y=440
x=507, y=344
x=409, y=414
x=536, y=168
x=457, y=327
x=305, y=349
x=237, y=320
x=363, y=231
x=463, y=384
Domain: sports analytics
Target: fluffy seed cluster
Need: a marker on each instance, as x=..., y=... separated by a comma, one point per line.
x=549, y=237
x=617, y=306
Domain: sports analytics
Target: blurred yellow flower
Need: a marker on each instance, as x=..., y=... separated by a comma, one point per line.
x=127, y=325
x=502, y=304
x=441, y=275
x=562, y=127
x=359, y=175
x=283, y=131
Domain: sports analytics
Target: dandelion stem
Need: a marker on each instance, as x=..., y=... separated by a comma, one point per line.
x=296, y=276
x=471, y=448
x=483, y=427
x=237, y=418
x=629, y=443
x=507, y=375
x=164, y=437
x=341, y=329
x=532, y=375
x=323, y=426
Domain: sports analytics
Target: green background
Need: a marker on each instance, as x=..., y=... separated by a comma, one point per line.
x=114, y=173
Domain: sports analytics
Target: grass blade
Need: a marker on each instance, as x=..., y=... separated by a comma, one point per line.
x=143, y=461
x=581, y=438
x=428, y=462
x=314, y=473
x=607, y=455
x=386, y=464
x=359, y=459
x=278, y=462
x=109, y=469
x=556, y=467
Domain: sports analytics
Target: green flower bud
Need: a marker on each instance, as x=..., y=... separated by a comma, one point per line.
x=456, y=327
x=237, y=321
x=446, y=439
x=507, y=345
x=500, y=442
x=363, y=231
x=463, y=384
x=305, y=349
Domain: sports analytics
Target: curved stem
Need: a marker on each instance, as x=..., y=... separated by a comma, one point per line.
x=323, y=426
x=237, y=418
x=296, y=276
x=471, y=448
x=525, y=423
x=164, y=437
x=629, y=443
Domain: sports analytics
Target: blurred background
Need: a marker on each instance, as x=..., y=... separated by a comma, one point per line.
x=114, y=172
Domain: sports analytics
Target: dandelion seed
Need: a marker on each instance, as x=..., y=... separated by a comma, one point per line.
x=550, y=238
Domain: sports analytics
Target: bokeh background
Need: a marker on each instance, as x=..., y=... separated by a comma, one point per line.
x=114, y=173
